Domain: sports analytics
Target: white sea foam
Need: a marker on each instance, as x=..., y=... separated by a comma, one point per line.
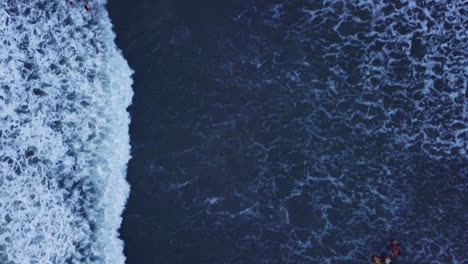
x=395, y=78
x=64, y=143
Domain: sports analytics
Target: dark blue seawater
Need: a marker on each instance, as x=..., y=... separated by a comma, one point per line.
x=294, y=131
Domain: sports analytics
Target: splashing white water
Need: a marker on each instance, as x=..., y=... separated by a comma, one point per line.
x=64, y=143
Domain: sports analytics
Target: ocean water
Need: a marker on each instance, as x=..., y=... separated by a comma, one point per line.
x=295, y=131
x=279, y=131
x=64, y=142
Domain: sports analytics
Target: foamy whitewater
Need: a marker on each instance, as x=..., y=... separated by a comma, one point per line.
x=64, y=143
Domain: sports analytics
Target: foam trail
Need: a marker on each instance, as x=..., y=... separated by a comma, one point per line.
x=64, y=142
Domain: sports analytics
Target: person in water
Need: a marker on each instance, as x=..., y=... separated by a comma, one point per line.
x=376, y=259
x=387, y=260
x=381, y=260
x=395, y=247
x=88, y=8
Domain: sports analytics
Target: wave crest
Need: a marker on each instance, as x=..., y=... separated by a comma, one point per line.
x=64, y=141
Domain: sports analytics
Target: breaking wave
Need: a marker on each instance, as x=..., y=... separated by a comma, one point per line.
x=64, y=142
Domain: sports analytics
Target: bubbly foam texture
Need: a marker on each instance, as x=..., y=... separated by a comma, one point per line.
x=64, y=143
x=380, y=90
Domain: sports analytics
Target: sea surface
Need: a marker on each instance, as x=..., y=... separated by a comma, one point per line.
x=64, y=142
x=295, y=131
x=262, y=131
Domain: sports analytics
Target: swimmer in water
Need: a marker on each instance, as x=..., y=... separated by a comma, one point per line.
x=376, y=259
x=387, y=260
x=395, y=247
